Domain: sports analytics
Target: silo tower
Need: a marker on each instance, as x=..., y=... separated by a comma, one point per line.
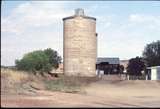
x=79, y=45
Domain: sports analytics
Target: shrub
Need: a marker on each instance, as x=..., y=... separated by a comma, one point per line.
x=39, y=61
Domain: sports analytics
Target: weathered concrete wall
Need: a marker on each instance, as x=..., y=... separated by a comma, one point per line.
x=80, y=46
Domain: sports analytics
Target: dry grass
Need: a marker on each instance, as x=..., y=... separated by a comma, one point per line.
x=13, y=75
x=15, y=82
x=21, y=81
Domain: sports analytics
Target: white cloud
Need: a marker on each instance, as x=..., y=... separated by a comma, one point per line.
x=35, y=14
x=104, y=23
x=135, y=17
x=143, y=18
x=31, y=26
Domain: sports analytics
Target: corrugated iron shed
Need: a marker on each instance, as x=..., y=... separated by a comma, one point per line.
x=109, y=60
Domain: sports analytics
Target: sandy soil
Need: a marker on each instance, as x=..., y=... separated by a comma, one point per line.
x=98, y=94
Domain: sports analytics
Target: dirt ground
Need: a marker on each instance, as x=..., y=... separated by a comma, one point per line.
x=101, y=93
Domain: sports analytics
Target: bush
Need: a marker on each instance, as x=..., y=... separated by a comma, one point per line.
x=39, y=61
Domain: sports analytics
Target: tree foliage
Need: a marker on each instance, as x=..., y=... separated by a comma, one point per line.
x=151, y=54
x=135, y=66
x=54, y=59
x=121, y=69
x=39, y=61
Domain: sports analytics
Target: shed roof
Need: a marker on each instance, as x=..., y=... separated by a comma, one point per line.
x=109, y=60
x=154, y=67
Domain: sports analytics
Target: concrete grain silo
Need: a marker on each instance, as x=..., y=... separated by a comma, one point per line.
x=79, y=45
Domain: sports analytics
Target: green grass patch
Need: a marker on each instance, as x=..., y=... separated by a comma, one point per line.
x=68, y=84
x=63, y=85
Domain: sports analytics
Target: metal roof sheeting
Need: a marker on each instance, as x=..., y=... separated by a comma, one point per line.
x=109, y=60
x=154, y=67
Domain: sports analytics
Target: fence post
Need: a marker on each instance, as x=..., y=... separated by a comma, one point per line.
x=127, y=77
x=146, y=77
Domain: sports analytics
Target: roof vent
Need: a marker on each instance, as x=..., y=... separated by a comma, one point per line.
x=79, y=12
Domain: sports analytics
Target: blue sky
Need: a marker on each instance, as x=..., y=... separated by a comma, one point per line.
x=123, y=27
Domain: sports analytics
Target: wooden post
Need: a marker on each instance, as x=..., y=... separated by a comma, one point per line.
x=146, y=77
x=127, y=77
